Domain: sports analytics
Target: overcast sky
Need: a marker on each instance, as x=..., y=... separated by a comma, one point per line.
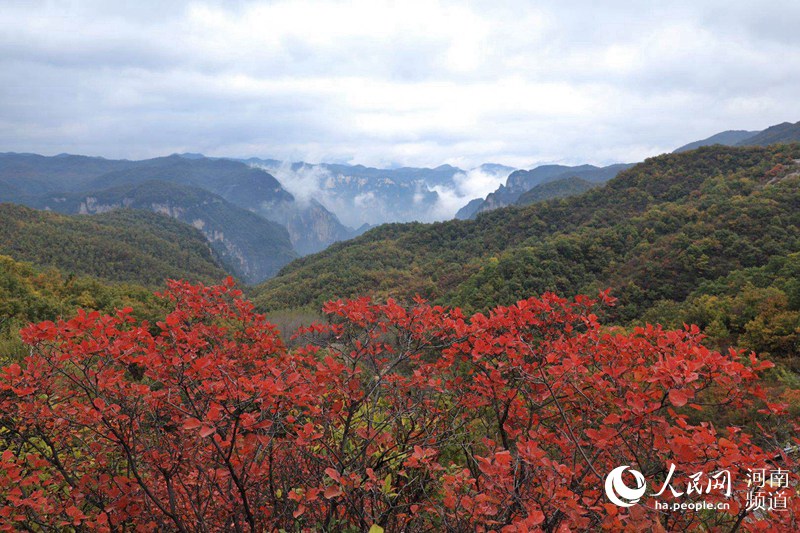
x=406, y=82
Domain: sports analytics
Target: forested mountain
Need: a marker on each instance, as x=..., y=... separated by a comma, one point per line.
x=240, y=184
x=32, y=174
x=32, y=294
x=250, y=246
x=311, y=227
x=521, y=181
x=785, y=132
x=560, y=188
x=9, y=191
x=656, y=234
x=124, y=245
x=725, y=138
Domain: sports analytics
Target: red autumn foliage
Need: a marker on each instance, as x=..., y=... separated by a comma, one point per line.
x=411, y=418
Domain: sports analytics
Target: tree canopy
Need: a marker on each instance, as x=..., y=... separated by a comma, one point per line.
x=386, y=417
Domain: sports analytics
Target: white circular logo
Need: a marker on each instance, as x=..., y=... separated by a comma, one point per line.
x=619, y=493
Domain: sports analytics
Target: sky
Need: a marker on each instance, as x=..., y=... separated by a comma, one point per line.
x=381, y=83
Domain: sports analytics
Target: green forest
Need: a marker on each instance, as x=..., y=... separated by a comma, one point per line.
x=708, y=237
x=51, y=265
x=31, y=294
x=123, y=245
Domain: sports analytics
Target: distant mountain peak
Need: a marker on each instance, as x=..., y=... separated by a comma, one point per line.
x=521, y=181
x=725, y=138
x=782, y=133
x=785, y=132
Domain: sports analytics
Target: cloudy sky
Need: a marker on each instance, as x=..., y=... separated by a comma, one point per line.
x=406, y=82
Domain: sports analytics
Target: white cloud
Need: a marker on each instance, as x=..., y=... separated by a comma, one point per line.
x=377, y=82
x=305, y=183
x=475, y=183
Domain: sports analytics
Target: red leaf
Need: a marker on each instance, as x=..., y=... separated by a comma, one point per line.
x=535, y=518
x=332, y=492
x=679, y=397
x=333, y=474
x=192, y=423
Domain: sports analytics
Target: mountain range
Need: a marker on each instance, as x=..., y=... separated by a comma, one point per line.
x=246, y=214
x=656, y=232
x=254, y=224
x=370, y=196
x=250, y=246
x=521, y=181
x=785, y=132
x=125, y=245
x=257, y=215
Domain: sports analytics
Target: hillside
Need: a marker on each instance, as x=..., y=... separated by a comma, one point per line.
x=31, y=294
x=251, y=247
x=521, y=181
x=725, y=138
x=120, y=246
x=655, y=233
x=780, y=133
x=468, y=211
x=560, y=188
x=785, y=132
x=25, y=178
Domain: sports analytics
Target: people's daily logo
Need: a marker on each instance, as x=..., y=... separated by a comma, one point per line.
x=619, y=493
x=766, y=490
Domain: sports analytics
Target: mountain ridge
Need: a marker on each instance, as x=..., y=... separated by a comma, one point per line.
x=677, y=217
x=557, y=188
x=521, y=181
x=725, y=138
x=120, y=246
x=786, y=132
x=27, y=178
x=251, y=247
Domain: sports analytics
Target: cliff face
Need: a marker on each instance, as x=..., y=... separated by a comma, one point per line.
x=522, y=181
x=361, y=195
x=244, y=212
x=469, y=210
x=311, y=227
x=251, y=247
x=320, y=227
